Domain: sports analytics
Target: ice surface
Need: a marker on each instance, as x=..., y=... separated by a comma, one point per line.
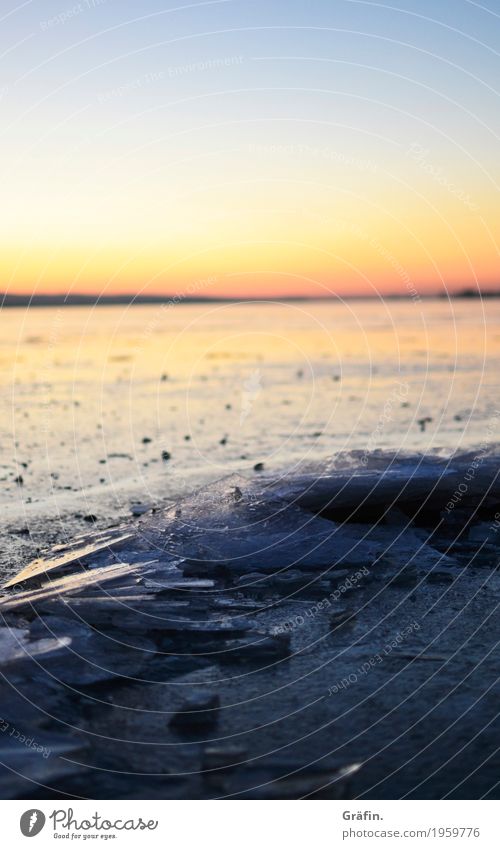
x=240, y=592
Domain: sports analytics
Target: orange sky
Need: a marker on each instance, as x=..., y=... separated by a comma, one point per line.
x=274, y=158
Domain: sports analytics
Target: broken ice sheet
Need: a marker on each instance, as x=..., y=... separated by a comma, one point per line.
x=357, y=482
x=230, y=525
x=69, y=556
x=16, y=647
x=89, y=656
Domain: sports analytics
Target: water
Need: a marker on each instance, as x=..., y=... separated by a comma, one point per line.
x=222, y=387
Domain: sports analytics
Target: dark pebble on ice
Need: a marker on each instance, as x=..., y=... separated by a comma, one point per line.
x=259, y=467
x=90, y=518
x=165, y=455
x=139, y=509
x=19, y=480
x=164, y=378
x=424, y=422
x=146, y=439
x=223, y=441
x=229, y=406
x=187, y=437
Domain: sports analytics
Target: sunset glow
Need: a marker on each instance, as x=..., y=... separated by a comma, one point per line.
x=282, y=152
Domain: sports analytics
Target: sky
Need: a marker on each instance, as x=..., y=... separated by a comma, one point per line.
x=249, y=149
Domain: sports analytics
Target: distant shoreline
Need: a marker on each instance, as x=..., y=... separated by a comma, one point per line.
x=79, y=300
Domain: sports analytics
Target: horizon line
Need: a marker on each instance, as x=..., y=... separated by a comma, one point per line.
x=83, y=299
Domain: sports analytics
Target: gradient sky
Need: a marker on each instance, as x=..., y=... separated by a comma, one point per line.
x=242, y=147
